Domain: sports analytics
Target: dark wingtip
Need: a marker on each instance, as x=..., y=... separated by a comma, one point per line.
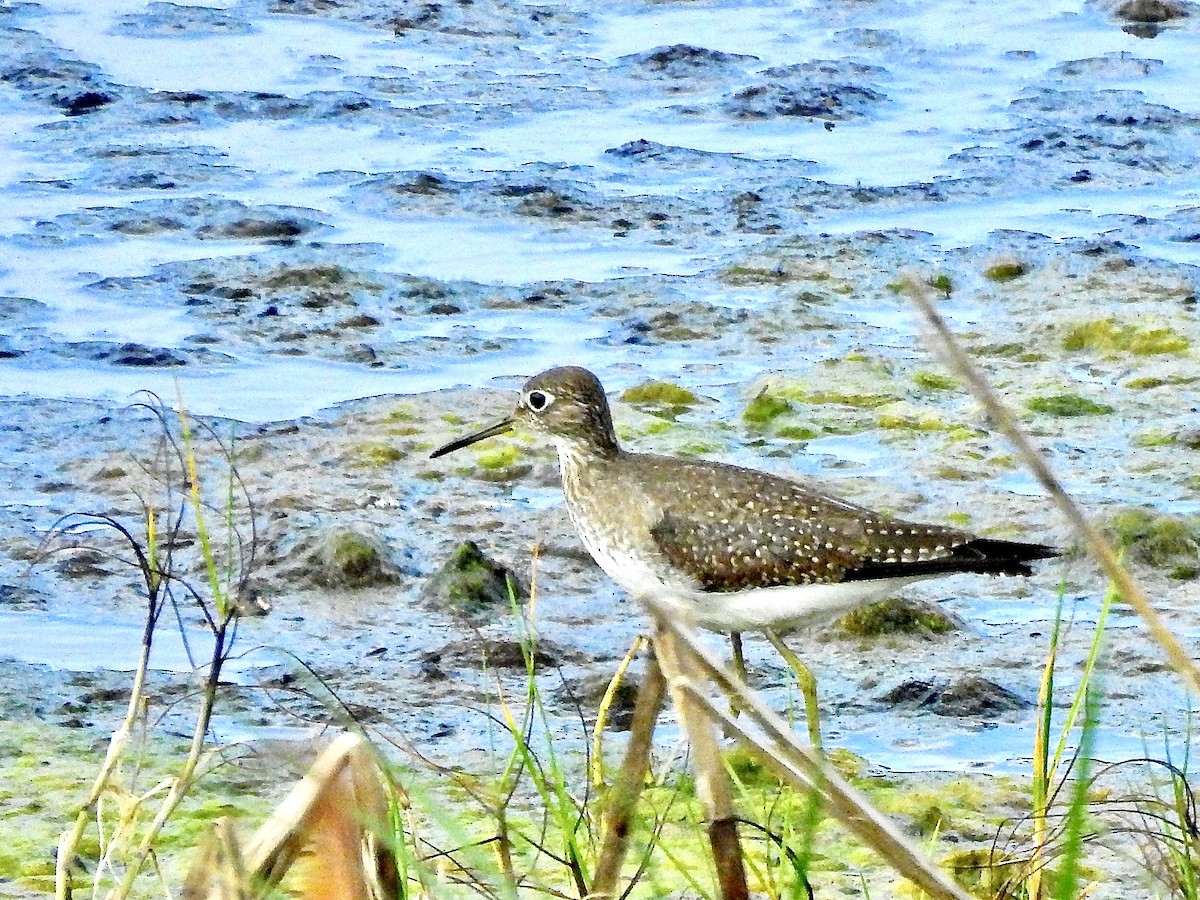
x=1013, y=551
x=981, y=556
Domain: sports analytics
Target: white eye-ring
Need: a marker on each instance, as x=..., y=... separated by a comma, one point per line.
x=538, y=400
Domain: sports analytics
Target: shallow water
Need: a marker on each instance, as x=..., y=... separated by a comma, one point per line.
x=111, y=214
x=948, y=72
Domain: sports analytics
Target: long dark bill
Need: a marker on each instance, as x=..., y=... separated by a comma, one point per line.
x=491, y=431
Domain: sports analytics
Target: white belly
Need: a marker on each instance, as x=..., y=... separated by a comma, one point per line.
x=782, y=609
x=787, y=607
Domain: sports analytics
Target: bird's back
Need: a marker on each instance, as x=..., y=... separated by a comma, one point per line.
x=724, y=528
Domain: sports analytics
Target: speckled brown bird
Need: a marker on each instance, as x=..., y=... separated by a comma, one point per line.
x=738, y=549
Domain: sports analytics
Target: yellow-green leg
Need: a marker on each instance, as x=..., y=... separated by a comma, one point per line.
x=808, y=687
x=739, y=658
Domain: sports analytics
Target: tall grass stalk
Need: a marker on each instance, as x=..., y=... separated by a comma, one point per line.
x=162, y=531
x=1183, y=832
x=569, y=816
x=1048, y=774
x=219, y=596
x=1079, y=808
x=69, y=841
x=596, y=769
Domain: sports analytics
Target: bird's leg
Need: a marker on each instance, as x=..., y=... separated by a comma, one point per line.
x=739, y=659
x=739, y=669
x=808, y=687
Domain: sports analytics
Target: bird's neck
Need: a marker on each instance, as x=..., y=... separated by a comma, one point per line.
x=575, y=454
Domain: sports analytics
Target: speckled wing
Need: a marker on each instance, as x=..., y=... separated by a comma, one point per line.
x=732, y=529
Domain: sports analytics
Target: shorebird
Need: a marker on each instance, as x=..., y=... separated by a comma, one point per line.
x=733, y=549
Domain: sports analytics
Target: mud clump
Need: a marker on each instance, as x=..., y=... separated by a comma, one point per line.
x=1151, y=12
x=15, y=597
x=134, y=355
x=494, y=653
x=351, y=559
x=685, y=62
x=470, y=584
x=970, y=695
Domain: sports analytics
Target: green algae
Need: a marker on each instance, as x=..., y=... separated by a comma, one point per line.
x=948, y=472
x=502, y=457
x=402, y=412
x=658, y=426
x=765, y=408
x=374, y=453
x=1150, y=382
x=1007, y=270
x=797, y=433
x=859, y=400
x=942, y=283
x=934, y=381
x=659, y=393
x=697, y=448
x=749, y=771
x=1170, y=543
x=405, y=430
x=1110, y=336
x=1011, y=350
x=904, y=415
x=895, y=615
x=951, y=813
x=47, y=770
x=1067, y=405
x=752, y=275
x=961, y=433
x=1152, y=437
x=856, y=380
x=958, y=806
x=1146, y=383
x=660, y=398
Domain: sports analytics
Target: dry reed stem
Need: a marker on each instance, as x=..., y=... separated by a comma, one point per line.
x=805, y=768
x=276, y=842
x=219, y=870
x=712, y=779
x=329, y=818
x=623, y=796
x=952, y=352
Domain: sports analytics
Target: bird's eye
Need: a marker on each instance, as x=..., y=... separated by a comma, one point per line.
x=538, y=400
